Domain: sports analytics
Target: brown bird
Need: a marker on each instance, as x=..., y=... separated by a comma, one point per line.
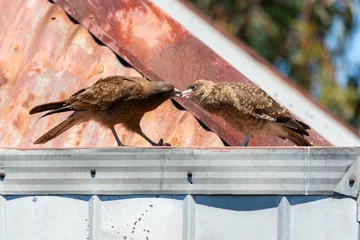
x=249, y=109
x=110, y=101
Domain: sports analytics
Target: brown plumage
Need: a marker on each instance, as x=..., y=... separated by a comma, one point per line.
x=110, y=101
x=248, y=109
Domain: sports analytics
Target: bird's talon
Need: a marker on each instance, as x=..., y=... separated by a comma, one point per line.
x=161, y=143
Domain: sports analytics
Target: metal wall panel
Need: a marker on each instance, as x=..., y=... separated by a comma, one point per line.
x=314, y=218
x=38, y=217
x=229, y=217
x=164, y=217
x=141, y=218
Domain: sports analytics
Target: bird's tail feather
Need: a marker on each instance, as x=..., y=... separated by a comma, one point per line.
x=298, y=139
x=59, y=110
x=296, y=126
x=304, y=125
x=46, y=107
x=72, y=120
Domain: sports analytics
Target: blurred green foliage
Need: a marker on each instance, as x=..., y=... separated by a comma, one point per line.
x=291, y=34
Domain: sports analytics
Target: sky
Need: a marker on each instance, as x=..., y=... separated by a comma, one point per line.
x=349, y=63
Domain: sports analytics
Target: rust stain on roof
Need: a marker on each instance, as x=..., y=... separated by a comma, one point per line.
x=161, y=49
x=46, y=57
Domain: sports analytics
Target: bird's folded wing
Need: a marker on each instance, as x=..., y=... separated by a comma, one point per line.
x=254, y=101
x=105, y=93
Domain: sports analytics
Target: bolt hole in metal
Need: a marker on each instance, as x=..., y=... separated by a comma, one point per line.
x=93, y=173
x=189, y=177
x=351, y=182
x=2, y=176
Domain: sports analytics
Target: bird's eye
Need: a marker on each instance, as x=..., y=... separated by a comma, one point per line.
x=192, y=87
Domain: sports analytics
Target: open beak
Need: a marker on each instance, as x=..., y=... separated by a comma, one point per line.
x=186, y=93
x=176, y=93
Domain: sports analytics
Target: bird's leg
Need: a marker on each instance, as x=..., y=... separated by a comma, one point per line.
x=246, y=141
x=116, y=136
x=161, y=141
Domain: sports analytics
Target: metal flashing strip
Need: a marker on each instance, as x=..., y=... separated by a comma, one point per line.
x=349, y=183
x=123, y=171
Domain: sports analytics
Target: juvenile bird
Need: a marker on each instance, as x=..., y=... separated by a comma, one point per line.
x=248, y=109
x=110, y=101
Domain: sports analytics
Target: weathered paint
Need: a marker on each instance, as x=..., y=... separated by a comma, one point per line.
x=162, y=49
x=46, y=57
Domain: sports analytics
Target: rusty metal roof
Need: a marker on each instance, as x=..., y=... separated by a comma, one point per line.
x=44, y=56
x=158, y=46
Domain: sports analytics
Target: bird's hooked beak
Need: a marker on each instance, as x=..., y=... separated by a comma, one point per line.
x=176, y=93
x=186, y=93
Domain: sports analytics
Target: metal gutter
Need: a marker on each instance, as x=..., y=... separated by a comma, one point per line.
x=265, y=171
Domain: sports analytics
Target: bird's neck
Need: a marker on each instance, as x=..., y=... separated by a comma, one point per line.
x=206, y=98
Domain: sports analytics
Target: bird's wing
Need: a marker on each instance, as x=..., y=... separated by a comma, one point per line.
x=252, y=100
x=105, y=93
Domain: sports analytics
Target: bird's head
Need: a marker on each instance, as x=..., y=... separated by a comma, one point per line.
x=165, y=89
x=198, y=89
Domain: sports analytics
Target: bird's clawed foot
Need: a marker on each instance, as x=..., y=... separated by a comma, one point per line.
x=161, y=143
x=246, y=141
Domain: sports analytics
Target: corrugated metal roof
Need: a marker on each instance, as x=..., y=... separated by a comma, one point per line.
x=46, y=57
x=158, y=46
x=178, y=217
x=165, y=171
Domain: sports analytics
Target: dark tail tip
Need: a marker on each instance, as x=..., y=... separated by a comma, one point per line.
x=38, y=142
x=46, y=107
x=298, y=139
x=59, y=110
x=304, y=125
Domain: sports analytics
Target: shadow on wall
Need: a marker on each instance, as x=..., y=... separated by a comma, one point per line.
x=251, y=203
x=235, y=203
